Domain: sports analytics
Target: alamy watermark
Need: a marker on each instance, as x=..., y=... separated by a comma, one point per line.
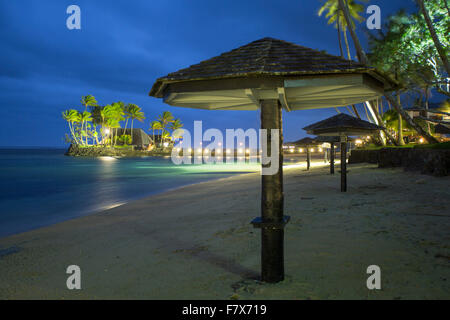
x=191, y=148
x=374, y=20
x=74, y=20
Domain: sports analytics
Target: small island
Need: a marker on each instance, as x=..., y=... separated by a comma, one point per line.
x=109, y=130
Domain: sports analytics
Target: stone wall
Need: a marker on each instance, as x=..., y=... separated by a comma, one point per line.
x=76, y=151
x=427, y=161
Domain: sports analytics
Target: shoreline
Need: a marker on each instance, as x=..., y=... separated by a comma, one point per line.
x=199, y=244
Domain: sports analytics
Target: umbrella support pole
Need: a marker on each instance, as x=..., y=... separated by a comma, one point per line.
x=272, y=220
x=343, y=164
x=332, y=158
x=308, y=158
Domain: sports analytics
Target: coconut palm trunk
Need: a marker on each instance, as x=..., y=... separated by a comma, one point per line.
x=400, y=124
x=339, y=36
x=131, y=133
x=346, y=44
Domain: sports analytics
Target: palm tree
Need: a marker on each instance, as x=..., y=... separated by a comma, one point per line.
x=86, y=101
x=155, y=125
x=363, y=59
x=113, y=114
x=71, y=117
x=85, y=118
x=176, y=124
x=336, y=16
x=165, y=119
x=135, y=113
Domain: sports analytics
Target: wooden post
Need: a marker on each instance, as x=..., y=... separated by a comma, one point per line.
x=308, y=158
x=272, y=232
x=343, y=164
x=332, y=158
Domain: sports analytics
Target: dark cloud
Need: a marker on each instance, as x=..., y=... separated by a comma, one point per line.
x=125, y=45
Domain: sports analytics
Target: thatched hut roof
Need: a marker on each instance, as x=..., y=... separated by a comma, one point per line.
x=322, y=139
x=307, y=141
x=342, y=124
x=267, y=64
x=140, y=138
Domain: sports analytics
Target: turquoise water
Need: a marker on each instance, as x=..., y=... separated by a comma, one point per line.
x=39, y=187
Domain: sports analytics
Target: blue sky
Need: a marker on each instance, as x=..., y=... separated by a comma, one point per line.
x=123, y=46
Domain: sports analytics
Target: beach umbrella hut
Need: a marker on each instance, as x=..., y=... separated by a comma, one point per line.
x=271, y=75
x=343, y=125
x=306, y=142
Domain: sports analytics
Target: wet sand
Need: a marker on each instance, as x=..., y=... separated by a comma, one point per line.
x=196, y=242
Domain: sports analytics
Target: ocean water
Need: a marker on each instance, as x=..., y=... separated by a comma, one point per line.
x=40, y=187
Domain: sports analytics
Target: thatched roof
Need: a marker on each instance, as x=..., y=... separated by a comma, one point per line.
x=331, y=139
x=140, y=138
x=307, y=141
x=266, y=57
x=342, y=124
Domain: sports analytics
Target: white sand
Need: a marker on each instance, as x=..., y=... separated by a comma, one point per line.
x=196, y=242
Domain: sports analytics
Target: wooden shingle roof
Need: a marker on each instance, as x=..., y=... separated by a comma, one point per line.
x=264, y=57
x=307, y=141
x=342, y=123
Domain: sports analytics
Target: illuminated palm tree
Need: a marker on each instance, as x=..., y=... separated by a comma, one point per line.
x=155, y=125
x=176, y=124
x=135, y=113
x=86, y=101
x=71, y=116
x=165, y=119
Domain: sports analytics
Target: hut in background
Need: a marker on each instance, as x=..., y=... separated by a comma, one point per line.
x=141, y=140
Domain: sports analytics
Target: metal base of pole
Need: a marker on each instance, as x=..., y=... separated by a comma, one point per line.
x=272, y=240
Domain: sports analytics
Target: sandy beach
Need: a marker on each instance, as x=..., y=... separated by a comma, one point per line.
x=196, y=242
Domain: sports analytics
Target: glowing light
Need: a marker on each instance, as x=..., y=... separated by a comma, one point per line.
x=240, y=143
x=358, y=141
x=320, y=149
x=240, y=150
x=199, y=149
x=247, y=151
x=368, y=137
x=206, y=150
x=219, y=150
x=166, y=144
x=228, y=151
x=189, y=150
x=107, y=131
x=107, y=158
x=421, y=140
x=219, y=144
x=300, y=149
x=178, y=149
x=291, y=150
x=312, y=149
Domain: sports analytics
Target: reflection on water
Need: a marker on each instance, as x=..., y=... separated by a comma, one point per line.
x=39, y=187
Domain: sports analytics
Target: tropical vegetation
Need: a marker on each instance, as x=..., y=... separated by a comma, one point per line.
x=99, y=125
x=412, y=48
